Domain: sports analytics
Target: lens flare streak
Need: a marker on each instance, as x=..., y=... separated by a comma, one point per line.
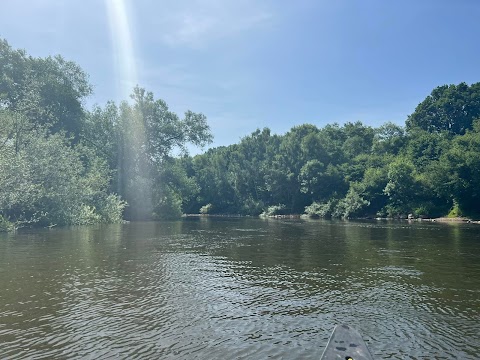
x=123, y=48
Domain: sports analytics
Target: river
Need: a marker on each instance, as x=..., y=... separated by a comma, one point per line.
x=239, y=288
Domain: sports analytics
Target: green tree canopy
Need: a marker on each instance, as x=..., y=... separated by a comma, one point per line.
x=49, y=91
x=450, y=108
x=138, y=139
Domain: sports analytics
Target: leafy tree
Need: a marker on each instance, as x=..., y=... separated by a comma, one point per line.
x=423, y=147
x=388, y=139
x=313, y=149
x=46, y=176
x=138, y=140
x=287, y=167
x=14, y=130
x=321, y=182
x=460, y=168
x=332, y=138
x=321, y=210
x=50, y=183
x=172, y=188
x=48, y=91
x=61, y=164
x=401, y=187
x=102, y=132
x=372, y=187
x=311, y=177
x=279, y=209
x=351, y=205
x=450, y=108
x=358, y=139
x=216, y=180
x=164, y=130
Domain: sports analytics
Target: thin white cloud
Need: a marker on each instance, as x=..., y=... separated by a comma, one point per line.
x=196, y=23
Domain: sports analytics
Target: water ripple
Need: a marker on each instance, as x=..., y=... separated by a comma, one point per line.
x=194, y=291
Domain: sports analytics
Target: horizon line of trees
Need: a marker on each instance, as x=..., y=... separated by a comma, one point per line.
x=63, y=164
x=428, y=168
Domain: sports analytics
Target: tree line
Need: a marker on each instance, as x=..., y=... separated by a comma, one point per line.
x=64, y=164
x=428, y=168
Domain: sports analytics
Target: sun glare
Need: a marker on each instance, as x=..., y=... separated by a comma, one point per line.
x=123, y=49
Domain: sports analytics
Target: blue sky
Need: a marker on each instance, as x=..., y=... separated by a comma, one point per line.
x=250, y=64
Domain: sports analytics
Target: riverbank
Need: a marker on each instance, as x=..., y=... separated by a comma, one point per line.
x=456, y=220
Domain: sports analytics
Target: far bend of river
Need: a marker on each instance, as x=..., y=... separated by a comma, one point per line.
x=225, y=288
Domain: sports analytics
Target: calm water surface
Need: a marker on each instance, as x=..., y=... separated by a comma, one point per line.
x=239, y=289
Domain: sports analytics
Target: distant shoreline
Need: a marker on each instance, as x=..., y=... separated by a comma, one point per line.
x=457, y=220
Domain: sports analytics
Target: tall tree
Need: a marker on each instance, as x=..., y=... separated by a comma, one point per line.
x=138, y=139
x=49, y=91
x=450, y=108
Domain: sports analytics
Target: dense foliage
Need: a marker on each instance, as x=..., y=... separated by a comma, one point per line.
x=429, y=168
x=63, y=164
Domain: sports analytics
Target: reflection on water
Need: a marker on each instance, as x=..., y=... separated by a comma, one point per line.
x=239, y=288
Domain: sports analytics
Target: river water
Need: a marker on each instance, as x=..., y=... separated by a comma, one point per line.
x=225, y=288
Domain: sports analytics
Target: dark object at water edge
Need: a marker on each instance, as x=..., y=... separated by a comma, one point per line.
x=347, y=344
